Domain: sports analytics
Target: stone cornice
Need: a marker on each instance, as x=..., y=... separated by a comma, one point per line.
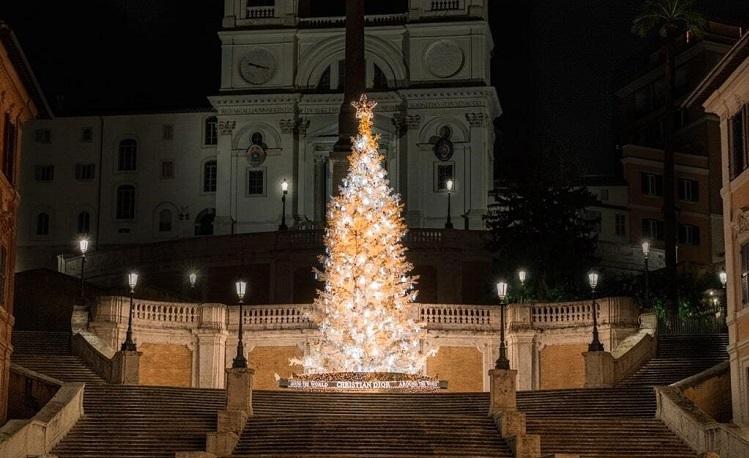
x=254, y=103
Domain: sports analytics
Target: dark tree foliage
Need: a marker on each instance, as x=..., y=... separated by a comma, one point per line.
x=539, y=223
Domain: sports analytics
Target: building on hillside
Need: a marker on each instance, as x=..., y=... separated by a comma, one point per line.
x=20, y=101
x=725, y=94
x=697, y=143
x=140, y=178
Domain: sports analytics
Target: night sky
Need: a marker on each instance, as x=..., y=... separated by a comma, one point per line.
x=556, y=63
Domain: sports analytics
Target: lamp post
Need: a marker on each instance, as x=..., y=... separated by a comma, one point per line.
x=449, y=187
x=645, y=256
x=723, y=277
x=522, y=275
x=83, y=246
x=595, y=344
x=128, y=344
x=502, y=361
x=240, y=361
x=192, y=278
x=284, y=191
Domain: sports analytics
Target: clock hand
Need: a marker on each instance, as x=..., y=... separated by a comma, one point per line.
x=257, y=65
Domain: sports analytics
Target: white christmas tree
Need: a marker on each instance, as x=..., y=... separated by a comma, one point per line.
x=363, y=313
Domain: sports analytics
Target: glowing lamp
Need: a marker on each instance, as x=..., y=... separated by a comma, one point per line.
x=285, y=186
x=83, y=245
x=723, y=276
x=193, y=278
x=522, y=275
x=132, y=280
x=502, y=290
x=449, y=185
x=645, y=248
x=241, y=288
x=593, y=279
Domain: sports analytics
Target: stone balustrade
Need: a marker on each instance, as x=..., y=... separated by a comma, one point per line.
x=611, y=310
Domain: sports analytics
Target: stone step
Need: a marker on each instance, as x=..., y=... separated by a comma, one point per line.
x=61, y=367
x=40, y=342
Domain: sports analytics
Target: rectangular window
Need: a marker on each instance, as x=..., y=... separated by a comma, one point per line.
x=209, y=176
x=43, y=136
x=87, y=135
x=167, y=169
x=620, y=225
x=595, y=218
x=744, y=275
x=210, y=134
x=85, y=172
x=603, y=196
x=44, y=173
x=167, y=132
x=652, y=229
x=9, y=149
x=689, y=190
x=442, y=173
x=689, y=234
x=3, y=273
x=125, y=202
x=255, y=182
x=738, y=143
x=652, y=184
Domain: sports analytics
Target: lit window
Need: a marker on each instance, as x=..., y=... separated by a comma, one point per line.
x=42, y=224
x=125, y=202
x=44, y=173
x=167, y=169
x=209, y=176
x=128, y=155
x=255, y=182
x=85, y=172
x=210, y=135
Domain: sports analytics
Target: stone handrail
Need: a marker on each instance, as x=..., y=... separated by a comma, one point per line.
x=447, y=316
x=39, y=435
x=95, y=353
x=611, y=310
x=145, y=312
x=283, y=316
x=695, y=427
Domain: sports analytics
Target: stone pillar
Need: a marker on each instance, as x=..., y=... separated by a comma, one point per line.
x=502, y=390
x=599, y=369
x=522, y=347
x=228, y=176
x=211, y=349
x=510, y=422
x=238, y=407
x=126, y=368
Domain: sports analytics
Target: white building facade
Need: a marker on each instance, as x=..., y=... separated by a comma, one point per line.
x=149, y=177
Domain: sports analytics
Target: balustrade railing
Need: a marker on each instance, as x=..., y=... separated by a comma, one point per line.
x=613, y=310
x=261, y=12
x=446, y=5
x=439, y=316
x=288, y=316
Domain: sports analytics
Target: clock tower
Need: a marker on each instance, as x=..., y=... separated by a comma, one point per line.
x=282, y=80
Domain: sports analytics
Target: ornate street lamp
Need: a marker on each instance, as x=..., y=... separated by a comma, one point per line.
x=449, y=187
x=192, y=278
x=284, y=191
x=522, y=276
x=502, y=361
x=240, y=361
x=723, y=277
x=83, y=246
x=128, y=344
x=595, y=344
x=645, y=256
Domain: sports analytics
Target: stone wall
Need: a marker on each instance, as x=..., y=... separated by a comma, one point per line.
x=165, y=364
x=712, y=395
x=270, y=362
x=562, y=366
x=462, y=367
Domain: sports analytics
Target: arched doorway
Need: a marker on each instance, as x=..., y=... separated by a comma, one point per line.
x=204, y=222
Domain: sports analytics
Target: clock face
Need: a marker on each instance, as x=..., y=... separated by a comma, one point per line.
x=257, y=66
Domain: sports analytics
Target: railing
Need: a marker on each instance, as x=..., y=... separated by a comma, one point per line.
x=427, y=236
x=289, y=316
x=261, y=12
x=708, y=323
x=372, y=19
x=165, y=312
x=446, y=5
x=441, y=316
x=610, y=310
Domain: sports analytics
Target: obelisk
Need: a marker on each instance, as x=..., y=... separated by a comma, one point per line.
x=354, y=87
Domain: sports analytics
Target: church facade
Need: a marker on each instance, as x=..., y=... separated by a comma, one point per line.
x=141, y=178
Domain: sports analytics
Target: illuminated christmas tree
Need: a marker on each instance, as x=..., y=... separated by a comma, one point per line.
x=366, y=324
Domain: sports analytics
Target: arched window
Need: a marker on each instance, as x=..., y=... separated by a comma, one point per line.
x=165, y=220
x=84, y=222
x=324, y=83
x=42, y=224
x=125, y=202
x=128, y=155
x=210, y=131
x=379, y=80
x=209, y=176
x=204, y=222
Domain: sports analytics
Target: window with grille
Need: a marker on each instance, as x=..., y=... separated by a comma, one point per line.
x=652, y=229
x=255, y=182
x=442, y=173
x=84, y=222
x=44, y=173
x=689, y=190
x=125, y=202
x=167, y=169
x=85, y=172
x=127, y=159
x=652, y=184
x=165, y=220
x=689, y=234
x=209, y=176
x=620, y=225
x=210, y=134
x=42, y=224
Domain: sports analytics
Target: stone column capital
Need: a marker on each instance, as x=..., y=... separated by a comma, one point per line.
x=226, y=126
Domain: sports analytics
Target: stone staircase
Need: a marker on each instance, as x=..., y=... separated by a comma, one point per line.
x=325, y=424
x=679, y=357
x=609, y=422
x=141, y=421
x=49, y=353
